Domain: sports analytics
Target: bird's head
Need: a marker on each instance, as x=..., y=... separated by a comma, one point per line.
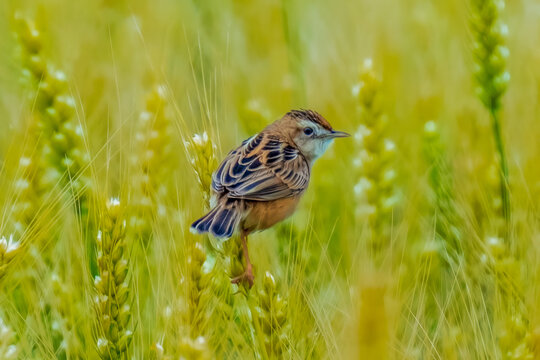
x=311, y=133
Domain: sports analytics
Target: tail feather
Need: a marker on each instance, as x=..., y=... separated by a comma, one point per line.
x=221, y=221
x=203, y=224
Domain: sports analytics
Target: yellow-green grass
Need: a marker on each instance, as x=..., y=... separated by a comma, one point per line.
x=143, y=98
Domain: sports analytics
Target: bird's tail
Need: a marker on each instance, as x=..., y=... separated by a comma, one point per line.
x=221, y=221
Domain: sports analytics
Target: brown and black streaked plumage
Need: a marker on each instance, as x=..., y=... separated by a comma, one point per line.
x=260, y=183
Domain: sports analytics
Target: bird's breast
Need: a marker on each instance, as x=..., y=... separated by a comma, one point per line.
x=265, y=214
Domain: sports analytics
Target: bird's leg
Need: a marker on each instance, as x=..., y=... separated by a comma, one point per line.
x=248, y=272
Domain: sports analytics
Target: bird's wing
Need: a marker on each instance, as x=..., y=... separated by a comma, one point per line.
x=263, y=168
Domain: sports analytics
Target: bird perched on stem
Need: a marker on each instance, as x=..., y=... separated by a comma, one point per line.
x=260, y=183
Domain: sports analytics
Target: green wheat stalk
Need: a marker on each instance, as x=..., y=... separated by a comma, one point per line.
x=8, y=347
x=376, y=188
x=112, y=285
x=492, y=79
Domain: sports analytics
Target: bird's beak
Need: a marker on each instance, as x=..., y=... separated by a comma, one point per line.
x=338, y=134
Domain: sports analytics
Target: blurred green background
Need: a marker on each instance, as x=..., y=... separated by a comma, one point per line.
x=368, y=266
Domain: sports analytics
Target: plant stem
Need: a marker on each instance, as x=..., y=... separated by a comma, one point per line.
x=503, y=169
x=294, y=53
x=258, y=330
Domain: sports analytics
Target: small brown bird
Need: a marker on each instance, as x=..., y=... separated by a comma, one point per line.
x=260, y=183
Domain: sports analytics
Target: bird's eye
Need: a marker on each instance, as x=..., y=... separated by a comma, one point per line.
x=308, y=131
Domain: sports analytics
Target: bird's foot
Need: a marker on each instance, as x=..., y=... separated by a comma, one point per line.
x=246, y=276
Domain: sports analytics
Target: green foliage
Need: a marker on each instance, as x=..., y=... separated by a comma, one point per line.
x=490, y=55
x=376, y=187
x=112, y=285
x=8, y=349
x=403, y=246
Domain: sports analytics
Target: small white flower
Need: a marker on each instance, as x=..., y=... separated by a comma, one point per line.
x=8, y=244
x=102, y=343
x=11, y=352
x=355, y=90
x=70, y=101
x=368, y=64
x=162, y=91
x=145, y=117
x=3, y=327
x=79, y=130
x=201, y=341
x=55, y=325
x=388, y=177
x=362, y=132
x=101, y=299
x=430, y=127
x=24, y=161
x=200, y=139
x=362, y=187
x=484, y=259
x=505, y=52
x=114, y=202
x=389, y=145
x=493, y=241
x=60, y=75
x=159, y=348
x=503, y=29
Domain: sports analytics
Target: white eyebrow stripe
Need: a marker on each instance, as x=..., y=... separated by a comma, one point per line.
x=307, y=123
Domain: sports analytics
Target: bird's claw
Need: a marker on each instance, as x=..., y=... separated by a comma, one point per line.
x=246, y=276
